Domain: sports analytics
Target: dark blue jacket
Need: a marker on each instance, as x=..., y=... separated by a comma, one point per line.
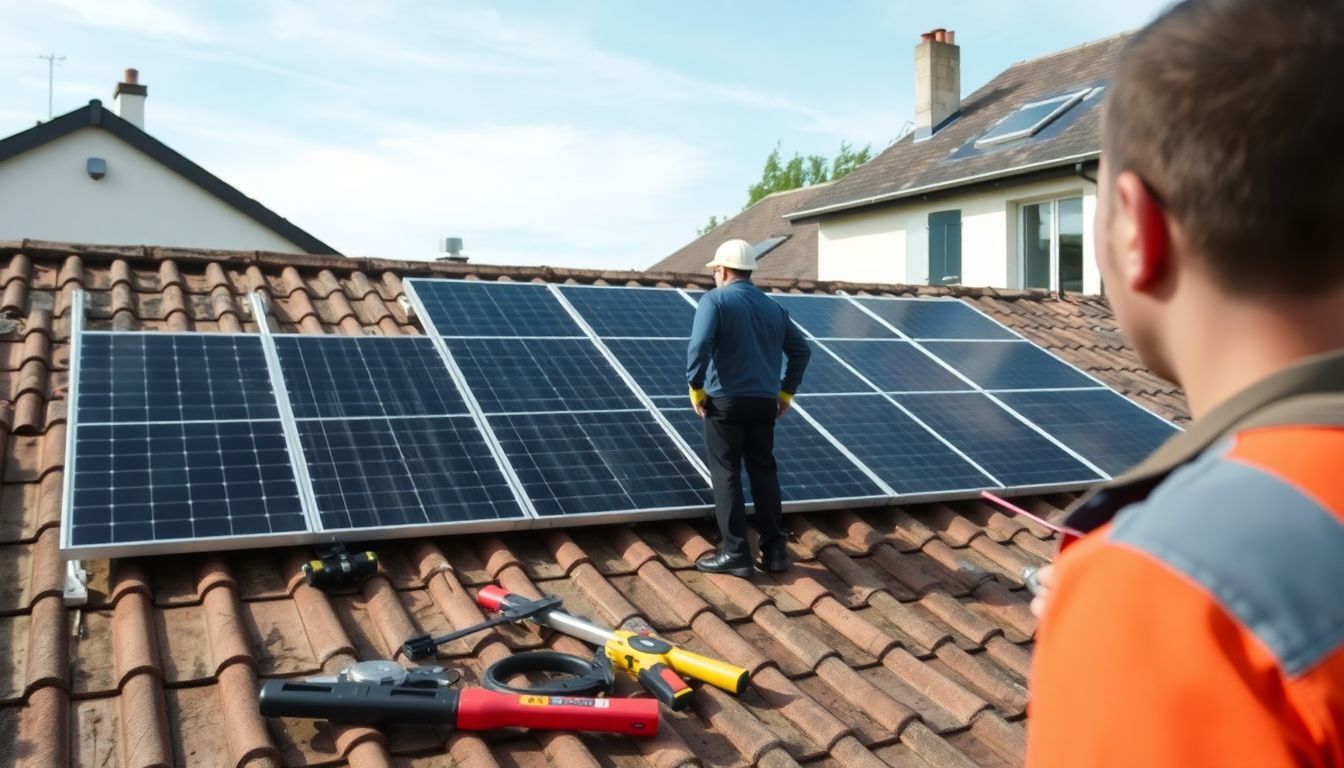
x=737, y=341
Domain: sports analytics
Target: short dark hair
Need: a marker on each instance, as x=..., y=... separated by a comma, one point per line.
x=743, y=274
x=1232, y=111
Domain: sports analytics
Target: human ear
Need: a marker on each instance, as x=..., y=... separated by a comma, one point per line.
x=1144, y=256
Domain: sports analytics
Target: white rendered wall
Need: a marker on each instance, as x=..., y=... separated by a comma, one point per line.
x=872, y=247
x=46, y=194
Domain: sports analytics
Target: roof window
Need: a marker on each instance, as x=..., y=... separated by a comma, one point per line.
x=1030, y=118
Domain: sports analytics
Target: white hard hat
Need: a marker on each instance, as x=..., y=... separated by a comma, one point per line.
x=734, y=254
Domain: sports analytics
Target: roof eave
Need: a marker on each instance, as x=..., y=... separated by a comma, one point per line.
x=944, y=185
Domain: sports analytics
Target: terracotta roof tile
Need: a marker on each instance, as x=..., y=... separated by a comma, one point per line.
x=901, y=636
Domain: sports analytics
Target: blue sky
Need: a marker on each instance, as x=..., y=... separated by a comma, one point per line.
x=583, y=134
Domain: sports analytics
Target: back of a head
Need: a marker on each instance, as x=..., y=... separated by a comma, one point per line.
x=1232, y=111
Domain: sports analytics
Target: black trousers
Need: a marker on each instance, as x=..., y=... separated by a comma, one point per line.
x=738, y=431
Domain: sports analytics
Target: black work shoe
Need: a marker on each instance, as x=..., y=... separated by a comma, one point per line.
x=774, y=558
x=722, y=562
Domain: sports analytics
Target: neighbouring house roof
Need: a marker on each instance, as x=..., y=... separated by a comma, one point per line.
x=793, y=259
x=949, y=159
x=94, y=115
x=901, y=637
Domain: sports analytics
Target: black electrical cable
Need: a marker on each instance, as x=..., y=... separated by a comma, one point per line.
x=587, y=677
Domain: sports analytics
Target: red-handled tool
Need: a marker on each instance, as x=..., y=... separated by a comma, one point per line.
x=373, y=692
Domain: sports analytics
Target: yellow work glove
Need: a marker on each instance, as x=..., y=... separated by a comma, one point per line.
x=698, y=400
x=785, y=400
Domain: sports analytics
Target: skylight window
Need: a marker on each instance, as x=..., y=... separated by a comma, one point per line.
x=765, y=246
x=1030, y=118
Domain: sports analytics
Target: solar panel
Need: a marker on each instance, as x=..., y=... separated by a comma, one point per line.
x=632, y=312
x=530, y=375
x=173, y=482
x=935, y=319
x=1106, y=428
x=176, y=439
x=809, y=466
x=897, y=366
x=593, y=463
x=380, y=473
x=828, y=317
x=139, y=377
x=1014, y=453
x=1009, y=365
x=900, y=451
x=471, y=308
x=343, y=376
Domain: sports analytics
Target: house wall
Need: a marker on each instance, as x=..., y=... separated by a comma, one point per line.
x=876, y=246
x=47, y=194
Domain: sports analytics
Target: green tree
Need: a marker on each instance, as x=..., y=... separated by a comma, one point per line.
x=780, y=175
x=710, y=225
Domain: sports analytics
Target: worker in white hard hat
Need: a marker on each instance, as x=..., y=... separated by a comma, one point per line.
x=737, y=341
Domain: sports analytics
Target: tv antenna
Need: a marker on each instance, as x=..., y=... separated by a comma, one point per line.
x=51, y=60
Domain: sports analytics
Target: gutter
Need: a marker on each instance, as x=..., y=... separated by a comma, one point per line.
x=942, y=185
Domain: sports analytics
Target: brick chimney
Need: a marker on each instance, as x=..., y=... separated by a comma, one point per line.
x=130, y=97
x=937, y=81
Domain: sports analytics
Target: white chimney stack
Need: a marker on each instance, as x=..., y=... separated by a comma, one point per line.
x=937, y=81
x=130, y=97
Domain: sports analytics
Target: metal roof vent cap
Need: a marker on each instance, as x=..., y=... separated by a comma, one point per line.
x=450, y=249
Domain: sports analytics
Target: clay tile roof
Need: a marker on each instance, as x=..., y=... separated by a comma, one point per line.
x=902, y=636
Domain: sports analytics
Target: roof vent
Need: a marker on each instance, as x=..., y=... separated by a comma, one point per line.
x=450, y=249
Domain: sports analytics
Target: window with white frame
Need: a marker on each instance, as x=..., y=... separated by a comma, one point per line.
x=1052, y=245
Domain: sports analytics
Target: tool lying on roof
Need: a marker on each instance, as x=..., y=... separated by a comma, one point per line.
x=372, y=692
x=336, y=567
x=655, y=662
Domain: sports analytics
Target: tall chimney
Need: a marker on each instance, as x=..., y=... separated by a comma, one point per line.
x=130, y=97
x=937, y=81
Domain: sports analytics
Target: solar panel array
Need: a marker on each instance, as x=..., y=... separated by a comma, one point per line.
x=531, y=405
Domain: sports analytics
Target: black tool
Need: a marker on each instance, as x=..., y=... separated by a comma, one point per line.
x=586, y=677
x=337, y=567
x=423, y=645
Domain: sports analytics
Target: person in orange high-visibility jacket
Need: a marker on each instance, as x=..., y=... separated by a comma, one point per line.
x=1199, y=621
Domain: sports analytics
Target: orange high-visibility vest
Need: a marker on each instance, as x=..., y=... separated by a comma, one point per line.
x=1201, y=621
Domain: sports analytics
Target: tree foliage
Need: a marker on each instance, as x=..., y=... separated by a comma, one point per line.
x=780, y=175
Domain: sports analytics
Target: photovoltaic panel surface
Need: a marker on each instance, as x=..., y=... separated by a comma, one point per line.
x=897, y=366
x=829, y=317
x=343, y=376
x=632, y=312
x=377, y=473
x=826, y=375
x=1106, y=428
x=1014, y=453
x=589, y=463
x=473, y=308
x=1008, y=365
x=900, y=451
x=935, y=319
x=808, y=465
x=658, y=366
x=140, y=377
x=528, y=375
x=180, y=481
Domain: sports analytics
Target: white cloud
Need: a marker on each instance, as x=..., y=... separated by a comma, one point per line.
x=141, y=17
x=523, y=193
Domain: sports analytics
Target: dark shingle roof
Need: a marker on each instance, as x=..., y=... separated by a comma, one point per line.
x=793, y=259
x=901, y=637
x=909, y=167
